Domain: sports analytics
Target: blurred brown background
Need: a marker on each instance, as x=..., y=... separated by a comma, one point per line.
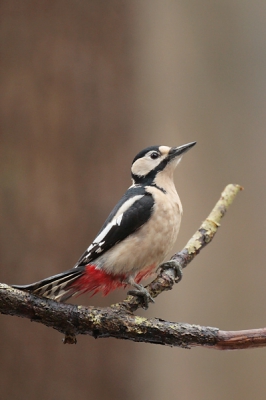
x=85, y=85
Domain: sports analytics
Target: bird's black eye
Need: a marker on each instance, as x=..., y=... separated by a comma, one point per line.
x=154, y=155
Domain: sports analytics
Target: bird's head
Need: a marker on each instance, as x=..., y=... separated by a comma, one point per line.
x=155, y=159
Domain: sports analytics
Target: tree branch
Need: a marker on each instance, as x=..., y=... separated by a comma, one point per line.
x=203, y=236
x=118, y=320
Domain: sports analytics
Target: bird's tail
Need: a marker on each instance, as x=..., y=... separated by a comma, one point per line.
x=58, y=287
x=75, y=281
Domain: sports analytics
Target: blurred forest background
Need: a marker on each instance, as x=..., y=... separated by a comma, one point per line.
x=85, y=85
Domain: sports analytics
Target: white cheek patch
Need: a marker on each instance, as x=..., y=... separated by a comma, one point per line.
x=144, y=165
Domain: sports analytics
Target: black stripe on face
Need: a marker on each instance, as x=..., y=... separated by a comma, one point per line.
x=149, y=178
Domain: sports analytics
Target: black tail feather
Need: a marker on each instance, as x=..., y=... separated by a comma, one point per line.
x=57, y=287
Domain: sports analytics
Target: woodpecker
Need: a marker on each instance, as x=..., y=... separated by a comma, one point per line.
x=136, y=237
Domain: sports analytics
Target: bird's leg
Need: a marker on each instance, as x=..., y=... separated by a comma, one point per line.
x=176, y=267
x=140, y=291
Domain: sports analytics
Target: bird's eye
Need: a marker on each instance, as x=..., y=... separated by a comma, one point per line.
x=154, y=155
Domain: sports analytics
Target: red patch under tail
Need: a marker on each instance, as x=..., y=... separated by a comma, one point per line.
x=96, y=280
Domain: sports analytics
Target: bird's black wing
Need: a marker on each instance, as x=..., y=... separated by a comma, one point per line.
x=132, y=211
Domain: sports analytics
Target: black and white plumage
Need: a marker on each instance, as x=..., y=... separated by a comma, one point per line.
x=136, y=236
x=130, y=213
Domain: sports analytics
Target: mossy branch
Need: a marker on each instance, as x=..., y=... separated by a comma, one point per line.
x=118, y=320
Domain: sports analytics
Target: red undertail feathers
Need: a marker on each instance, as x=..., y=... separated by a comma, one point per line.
x=76, y=281
x=96, y=280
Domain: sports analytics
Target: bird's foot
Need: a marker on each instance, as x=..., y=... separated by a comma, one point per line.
x=142, y=293
x=175, y=265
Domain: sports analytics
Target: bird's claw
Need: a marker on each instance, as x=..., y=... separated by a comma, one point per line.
x=176, y=266
x=143, y=294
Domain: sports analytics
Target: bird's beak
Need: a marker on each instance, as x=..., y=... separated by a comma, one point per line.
x=178, y=151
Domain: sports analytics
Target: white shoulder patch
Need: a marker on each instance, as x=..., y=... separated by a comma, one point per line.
x=127, y=204
x=90, y=247
x=117, y=220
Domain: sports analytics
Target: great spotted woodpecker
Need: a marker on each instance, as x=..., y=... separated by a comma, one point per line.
x=135, y=238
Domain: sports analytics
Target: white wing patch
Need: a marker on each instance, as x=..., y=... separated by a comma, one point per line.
x=127, y=204
x=90, y=247
x=116, y=221
x=119, y=219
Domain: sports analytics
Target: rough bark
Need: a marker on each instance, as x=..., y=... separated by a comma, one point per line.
x=119, y=321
